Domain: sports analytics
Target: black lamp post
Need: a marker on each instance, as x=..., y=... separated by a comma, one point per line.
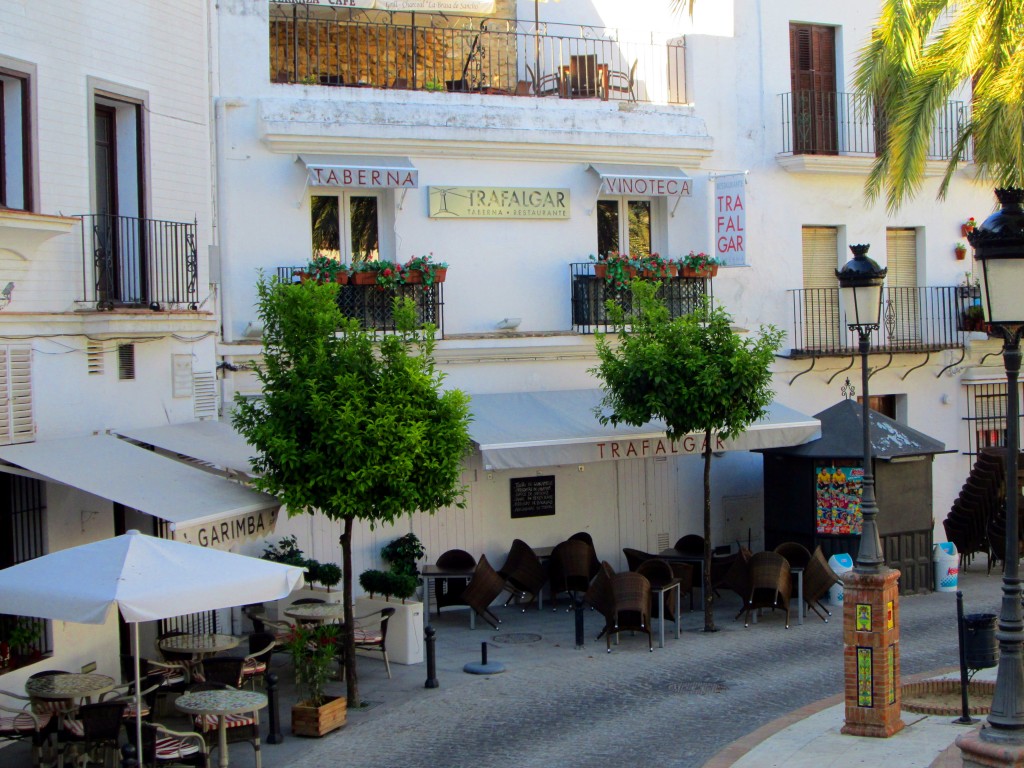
x=860, y=289
x=999, y=246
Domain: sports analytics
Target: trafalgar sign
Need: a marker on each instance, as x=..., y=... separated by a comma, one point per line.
x=731, y=219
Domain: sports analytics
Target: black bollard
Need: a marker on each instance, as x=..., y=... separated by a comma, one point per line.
x=965, y=715
x=483, y=654
x=579, y=623
x=274, y=736
x=128, y=758
x=430, y=640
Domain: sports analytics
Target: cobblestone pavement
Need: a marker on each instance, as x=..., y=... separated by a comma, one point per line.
x=558, y=706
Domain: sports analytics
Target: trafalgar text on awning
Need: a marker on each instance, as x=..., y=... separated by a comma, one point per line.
x=407, y=6
x=201, y=507
x=647, y=180
x=361, y=172
x=540, y=429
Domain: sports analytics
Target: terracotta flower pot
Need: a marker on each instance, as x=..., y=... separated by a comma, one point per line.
x=966, y=229
x=364, y=278
x=709, y=272
x=414, y=277
x=961, y=253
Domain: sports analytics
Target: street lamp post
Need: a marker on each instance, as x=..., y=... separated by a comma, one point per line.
x=871, y=656
x=999, y=247
x=860, y=291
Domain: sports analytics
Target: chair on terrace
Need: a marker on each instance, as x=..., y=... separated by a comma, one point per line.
x=483, y=589
x=449, y=591
x=524, y=574
x=769, y=584
x=631, y=594
x=162, y=746
x=242, y=727
x=570, y=569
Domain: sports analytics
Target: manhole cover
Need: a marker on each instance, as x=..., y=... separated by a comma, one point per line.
x=516, y=638
x=942, y=697
x=698, y=687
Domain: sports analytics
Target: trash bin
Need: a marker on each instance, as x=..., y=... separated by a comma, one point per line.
x=946, y=566
x=980, y=648
x=841, y=563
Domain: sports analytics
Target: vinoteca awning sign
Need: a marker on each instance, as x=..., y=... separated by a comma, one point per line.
x=499, y=203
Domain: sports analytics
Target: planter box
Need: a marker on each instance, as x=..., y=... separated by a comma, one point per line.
x=317, y=721
x=405, y=628
x=276, y=608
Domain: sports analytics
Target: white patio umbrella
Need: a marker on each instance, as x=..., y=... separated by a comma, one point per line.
x=146, y=578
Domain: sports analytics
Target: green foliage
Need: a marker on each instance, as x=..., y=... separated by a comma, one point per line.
x=402, y=554
x=920, y=54
x=693, y=372
x=324, y=269
x=388, y=583
x=313, y=648
x=287, y=551
x=353, y=424
x=328, y=574
x=374, y=582
x=20, y=634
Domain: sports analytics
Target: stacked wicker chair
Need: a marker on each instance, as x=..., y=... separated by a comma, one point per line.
x=448, y=592
x=599, y=596
x=569, y=569
x=769, y=584
x=524, y=574
x=631, y=595
x=818, y=579
x=586, y=538
x=635, y=557
x=483, y=589
x=798, y=556
x=659, y=573
x=732, y=572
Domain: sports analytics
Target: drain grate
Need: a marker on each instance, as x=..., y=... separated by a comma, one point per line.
x=698, y=687
x=516, y=638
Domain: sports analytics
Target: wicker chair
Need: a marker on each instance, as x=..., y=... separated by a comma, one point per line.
x=599, y=596
x=635, y=557
x=308, y=601
x=586, y=538
x=162, y=746
x=17, y=724
x=733, y=572
x=797, y=556
x=769, y=584
x=691, y=544
x=524, y=574
x=371, y=634
x=483, y=589
x=125, y=692
x=685, y=572
x=449, y=591
x=818, y=579
x=92, y=728
x=659, y=573
x=570, y=569
x=631, y=593
x=256, y=662
x=222, y=669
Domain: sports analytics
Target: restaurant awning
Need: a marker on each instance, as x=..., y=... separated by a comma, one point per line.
x=414, y=6
x=539, y=429
x=216, y=443
x=356, y=172
x=648, y=180
x=201, y=507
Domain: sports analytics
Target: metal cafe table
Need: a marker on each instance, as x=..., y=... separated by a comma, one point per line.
x=660, y=592
x=430, y=572
x=70, y=685
x=316, y=613
x=200, y=646
x=221, y=703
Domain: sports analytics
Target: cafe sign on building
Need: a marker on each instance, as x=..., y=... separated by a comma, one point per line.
x=499, y=203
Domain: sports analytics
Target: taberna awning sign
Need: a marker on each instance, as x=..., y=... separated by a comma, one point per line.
x=361, y=172
x=646, y=180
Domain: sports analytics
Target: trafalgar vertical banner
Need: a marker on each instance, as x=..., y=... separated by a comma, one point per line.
x=731, y=219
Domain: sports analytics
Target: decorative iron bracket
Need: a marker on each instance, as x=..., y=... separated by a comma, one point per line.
x=814, y=361
x=842, y=370
x=927, y=357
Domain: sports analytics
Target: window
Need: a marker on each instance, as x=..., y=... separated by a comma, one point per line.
x=346, y=226
x=821, y=289
x=15, y=140
x=812, y=61
x=625, y=226
x=986, y=416
x=902, y=314
x=22, y=525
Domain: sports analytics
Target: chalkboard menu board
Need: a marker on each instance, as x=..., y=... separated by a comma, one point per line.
x=533, y=496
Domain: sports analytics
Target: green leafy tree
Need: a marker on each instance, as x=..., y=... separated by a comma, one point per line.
x=920, y=53
x=693, y=373
x=352, y=424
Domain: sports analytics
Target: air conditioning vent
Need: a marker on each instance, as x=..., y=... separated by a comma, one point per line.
x=126, y=362
x=94, y=357
x=204, y=393
x=16, y=422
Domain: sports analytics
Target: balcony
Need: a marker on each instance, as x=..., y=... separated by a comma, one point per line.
x=363, y=49
x=682, y=295
x=913, y=320
x=371, y=305
x=821, y=123
x=130, y=262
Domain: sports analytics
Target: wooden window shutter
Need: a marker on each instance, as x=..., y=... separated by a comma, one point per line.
x=820, y=329
x=902, y=310
x=16, y=422
x=901, y=257
x=820, y=257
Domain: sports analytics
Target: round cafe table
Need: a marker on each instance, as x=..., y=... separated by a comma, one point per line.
x=222, y=703
x=316, y=613
x=200, y=646
x=69, y=686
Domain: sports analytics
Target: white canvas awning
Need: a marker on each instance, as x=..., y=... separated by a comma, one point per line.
x=414, y=6
x=647, y=180
x=201, y=507
x=541, y=429
x=213, y=442
x=355, y=172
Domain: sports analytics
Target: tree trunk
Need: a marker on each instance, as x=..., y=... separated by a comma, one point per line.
x=709, y=592
x=347, y=636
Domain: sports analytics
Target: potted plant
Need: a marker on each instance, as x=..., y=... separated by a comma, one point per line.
x=699, y=264
x=405, y=627
x=960, y=249
x=654, y=267
x=969, y=287
x=327, y=575
x=324, y=269
x=615, y=269
x=968, y=226
x=422, y=269
x=17, y=637
x=973, y=318
x=368, y=272
x=313, y=650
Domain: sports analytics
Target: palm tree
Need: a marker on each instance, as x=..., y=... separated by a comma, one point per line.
x=920, y=53
x=677, y=6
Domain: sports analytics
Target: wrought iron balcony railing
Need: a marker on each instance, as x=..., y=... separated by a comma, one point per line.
x=913, y=320
x=132, y=262
x=828, y=123
x=318, y=46
x=682, y=295
x=372, y=305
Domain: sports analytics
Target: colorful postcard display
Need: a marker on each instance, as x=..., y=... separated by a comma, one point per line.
x=838, y=491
